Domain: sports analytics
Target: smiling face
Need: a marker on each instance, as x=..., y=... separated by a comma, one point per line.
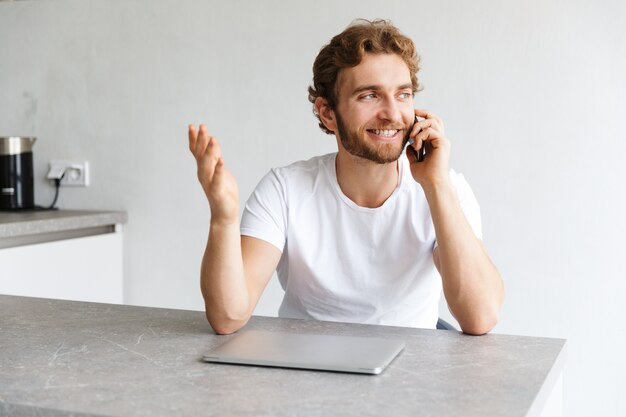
x=374, y=111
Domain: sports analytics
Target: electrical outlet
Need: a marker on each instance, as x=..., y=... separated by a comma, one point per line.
x=76, y=172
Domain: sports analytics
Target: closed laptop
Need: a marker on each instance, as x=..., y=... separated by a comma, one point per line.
x=358, y=354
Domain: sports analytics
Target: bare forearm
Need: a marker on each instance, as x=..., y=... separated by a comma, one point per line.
x=223, y=282
x=471, y=283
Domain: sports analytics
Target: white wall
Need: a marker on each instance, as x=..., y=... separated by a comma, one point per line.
x=533, y=95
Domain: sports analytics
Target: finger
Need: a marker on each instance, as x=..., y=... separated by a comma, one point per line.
x=425, y=114
x=418, y=144
x=209, y=160
x=218, y=173
x=193, y=136
x=213, y=150
x=432, y=137
x=202, y=142
x=426, y=135
x=207, y=145
x=436, y=125
x=424, y=125
x=415, y=129
x=430, y=116
x=420, y=126
x=435, y=122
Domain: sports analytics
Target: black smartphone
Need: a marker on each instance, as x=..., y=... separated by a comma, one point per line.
x=421, y=153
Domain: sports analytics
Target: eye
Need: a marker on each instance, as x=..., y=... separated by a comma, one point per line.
x=405, y=95
x=368, y=96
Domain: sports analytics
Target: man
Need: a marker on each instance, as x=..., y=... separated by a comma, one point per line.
x=359, y=235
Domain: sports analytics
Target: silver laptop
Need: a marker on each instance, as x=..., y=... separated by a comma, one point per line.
x=366, y=355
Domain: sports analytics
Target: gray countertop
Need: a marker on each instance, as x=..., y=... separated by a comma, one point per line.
x=18, y=228
x=14, y=223
x=61, y=358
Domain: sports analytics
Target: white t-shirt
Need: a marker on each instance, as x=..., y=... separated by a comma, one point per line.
x=343, y=262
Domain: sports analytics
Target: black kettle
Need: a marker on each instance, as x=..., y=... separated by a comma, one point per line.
x=17, y=190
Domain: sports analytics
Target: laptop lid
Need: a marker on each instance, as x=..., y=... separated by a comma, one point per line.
x=367, y=355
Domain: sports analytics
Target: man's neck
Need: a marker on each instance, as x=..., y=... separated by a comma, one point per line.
x=366, y=183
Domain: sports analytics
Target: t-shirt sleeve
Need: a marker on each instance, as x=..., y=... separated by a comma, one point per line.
x=468, y=202
x=265, y=214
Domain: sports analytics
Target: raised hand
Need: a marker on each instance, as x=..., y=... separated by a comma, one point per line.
x=218, y=183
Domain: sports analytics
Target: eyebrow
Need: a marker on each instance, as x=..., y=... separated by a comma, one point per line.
x=375, y=87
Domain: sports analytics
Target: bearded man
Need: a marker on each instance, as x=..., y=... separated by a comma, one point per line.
x=370, y=234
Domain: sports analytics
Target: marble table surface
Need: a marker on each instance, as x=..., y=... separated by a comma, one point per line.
x=66, y=358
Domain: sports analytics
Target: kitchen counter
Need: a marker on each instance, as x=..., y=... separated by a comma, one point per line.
x=62, y=358
x=19, y=228
x=68, y=254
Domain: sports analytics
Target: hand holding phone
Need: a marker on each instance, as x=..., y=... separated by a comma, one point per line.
x=434, y=152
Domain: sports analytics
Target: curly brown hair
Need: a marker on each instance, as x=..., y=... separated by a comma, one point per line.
x=348, y=49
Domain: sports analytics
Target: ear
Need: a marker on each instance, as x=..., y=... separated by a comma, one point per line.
x=327, y=115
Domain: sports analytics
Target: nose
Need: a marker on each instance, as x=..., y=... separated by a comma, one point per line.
x=390, y=110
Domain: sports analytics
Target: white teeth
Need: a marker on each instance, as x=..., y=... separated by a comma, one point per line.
x=387, y=133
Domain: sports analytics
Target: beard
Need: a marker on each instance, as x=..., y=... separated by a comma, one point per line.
x=380, y=153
